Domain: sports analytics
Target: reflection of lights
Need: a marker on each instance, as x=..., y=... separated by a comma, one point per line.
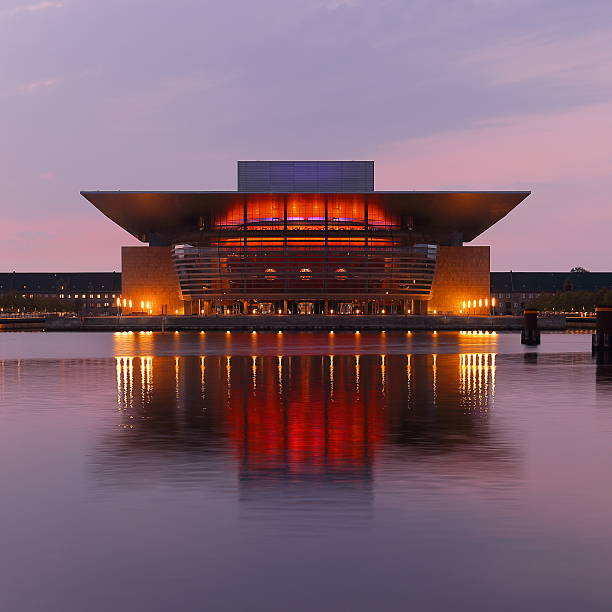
x=280, y=374
x=357, y=369
x=305, y=273
x=228, y=372
x=254, y=370
x=203, y=378
x=408, y=369
x=477, y=378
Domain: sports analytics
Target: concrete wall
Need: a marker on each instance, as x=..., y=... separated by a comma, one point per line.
x=322, y=323
x=148, y=275
x=462, y=274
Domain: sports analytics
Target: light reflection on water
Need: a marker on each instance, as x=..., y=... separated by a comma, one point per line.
x=227, y=471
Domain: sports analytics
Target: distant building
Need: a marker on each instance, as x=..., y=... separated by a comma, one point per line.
x=306, y=237
x=512, y=291
x=96, y=292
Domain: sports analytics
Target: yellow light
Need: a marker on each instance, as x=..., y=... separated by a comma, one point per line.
x=493, y=302
x=148, y=304
x=254, y=310
x=383, y=311
x=357, y=332
x=253, y=332
x=176, y=332
x=141, y=305
x=463, y=304
x=124, y=302
x=409, y=311
x=486, y=301
x=228, y=332
x=150, y=311
x=460, y=311
x=331, y=332
x=357, y=312
x=279, y=331
x=469, y=303
x=118, y=301
x=176, y=311
x=331, y=311
x=480, y=303
x=202, y=332
x=130, y=303
x=435, y=312
x=280, y=311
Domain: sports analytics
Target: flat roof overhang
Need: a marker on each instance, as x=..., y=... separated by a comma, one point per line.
x=143, y=213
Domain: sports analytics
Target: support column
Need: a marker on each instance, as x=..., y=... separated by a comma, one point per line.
x=530, y=333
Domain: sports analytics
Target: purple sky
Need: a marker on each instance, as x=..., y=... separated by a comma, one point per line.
x=442, y=94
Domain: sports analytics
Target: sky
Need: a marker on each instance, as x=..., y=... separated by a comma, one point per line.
x=441, y=94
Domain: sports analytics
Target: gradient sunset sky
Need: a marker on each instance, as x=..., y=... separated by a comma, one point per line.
x=168, y=94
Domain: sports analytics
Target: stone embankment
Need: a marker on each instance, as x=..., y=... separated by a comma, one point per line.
x=297, y=322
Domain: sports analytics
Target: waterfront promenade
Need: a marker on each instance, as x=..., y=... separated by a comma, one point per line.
x=292, y=322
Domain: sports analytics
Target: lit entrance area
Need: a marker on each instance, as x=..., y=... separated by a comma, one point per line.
x=299, y=307
x=305, y=308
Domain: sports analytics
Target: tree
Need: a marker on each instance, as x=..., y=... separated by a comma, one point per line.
x=579, y=269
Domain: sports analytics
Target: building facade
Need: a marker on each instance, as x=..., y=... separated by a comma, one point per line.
x=513, y=291
x=92, y=292
x=306, y=238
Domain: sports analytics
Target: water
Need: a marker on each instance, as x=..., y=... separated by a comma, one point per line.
x=304, y=471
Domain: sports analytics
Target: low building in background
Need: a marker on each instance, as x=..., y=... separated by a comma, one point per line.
x=513, y=291
x=90, y=292
x=306, y=238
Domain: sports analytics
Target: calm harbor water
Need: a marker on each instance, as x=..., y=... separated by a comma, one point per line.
x=304, y=471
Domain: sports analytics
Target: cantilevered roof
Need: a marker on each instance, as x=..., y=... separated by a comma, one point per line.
x=143, y=213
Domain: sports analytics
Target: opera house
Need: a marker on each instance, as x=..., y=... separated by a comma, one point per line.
x=306, y=237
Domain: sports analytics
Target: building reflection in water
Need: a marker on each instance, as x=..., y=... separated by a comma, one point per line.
x=309, y=427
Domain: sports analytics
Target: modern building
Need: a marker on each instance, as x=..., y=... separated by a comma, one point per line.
x=302, y=238
x=513, y=291
x=94, y=292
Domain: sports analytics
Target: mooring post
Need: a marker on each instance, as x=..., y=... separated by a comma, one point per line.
x=602, y=338
x=530, y=334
